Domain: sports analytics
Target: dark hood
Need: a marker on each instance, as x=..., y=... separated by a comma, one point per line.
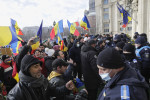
x=128, y=76
x=75, y=42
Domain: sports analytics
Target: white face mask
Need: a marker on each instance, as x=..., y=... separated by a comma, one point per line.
x=136, y=47
x=78, y=45
x=105, y=76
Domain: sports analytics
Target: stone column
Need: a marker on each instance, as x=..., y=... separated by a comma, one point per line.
x=142, y=16
x=134, y=17
x=110, y=18
x=148, y=33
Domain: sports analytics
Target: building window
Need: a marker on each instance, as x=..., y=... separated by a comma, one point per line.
x=129, y=28
x=106, y=30
x=121, y=29
x=106, y=16
x=105, y=2
x=106, y=25
x=121, y=23
x=106, y=9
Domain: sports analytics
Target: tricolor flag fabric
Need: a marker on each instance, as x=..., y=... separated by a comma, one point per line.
x=15, y=47
x=85, y=23
x=39, y=33
x=15, y=27
x=126, y=16
x=15, y=73
x=76, y=24
x=72, y=29
x=58, y=28
x=7, y=35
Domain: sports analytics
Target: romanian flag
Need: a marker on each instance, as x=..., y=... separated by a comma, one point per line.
x=7, y=35
x=62, y=45
x=126, y=16
x=15, y=47
x=76, y=24
x=15, y=27
x=39, y=33
x=59, y=37
x=58, y=28
x=15, y=73
x=72, y=29
x=85, y=23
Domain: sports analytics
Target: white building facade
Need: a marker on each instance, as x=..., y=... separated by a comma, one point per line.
x=109, y=19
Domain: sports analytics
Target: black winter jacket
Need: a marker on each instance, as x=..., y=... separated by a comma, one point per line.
x=74, y=53
x=30, y=88
x=20, y=56
x=89, y=67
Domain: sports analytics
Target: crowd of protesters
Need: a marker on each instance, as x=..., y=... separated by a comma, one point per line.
x=89, y=67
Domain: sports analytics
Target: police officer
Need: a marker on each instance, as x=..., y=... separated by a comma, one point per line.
x=143, y=55
x=130, y=57
x=123, y=82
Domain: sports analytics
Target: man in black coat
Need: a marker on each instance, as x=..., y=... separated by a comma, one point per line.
x=92, y=79
x=75, y=55
x=32, y=84
x=58, y=82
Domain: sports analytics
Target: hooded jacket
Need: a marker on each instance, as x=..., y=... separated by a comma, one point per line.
x=132, y=79
x=74, y=52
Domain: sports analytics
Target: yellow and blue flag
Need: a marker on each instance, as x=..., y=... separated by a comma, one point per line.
x=85, y=23
x=126, y=16
x=15, y=27
x=58, y=28
x=39, y=33
x=72, y=29
x=7, y=35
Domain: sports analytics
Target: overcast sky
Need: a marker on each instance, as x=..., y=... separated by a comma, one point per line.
x=31, y=12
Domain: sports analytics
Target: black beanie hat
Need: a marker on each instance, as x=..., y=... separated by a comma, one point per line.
x=5, y=57
x=129, y=48
x=110, y=58
x=120, y=45
x=27, y=62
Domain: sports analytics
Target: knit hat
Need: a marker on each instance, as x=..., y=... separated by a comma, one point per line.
x=49, y=52
x=129, y=48
x=27, y=62
x=140, y=40
x=110, y=58
x=5, y=57
x=120, y=45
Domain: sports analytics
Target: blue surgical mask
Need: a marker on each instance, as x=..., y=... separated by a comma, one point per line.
x=105, y=76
